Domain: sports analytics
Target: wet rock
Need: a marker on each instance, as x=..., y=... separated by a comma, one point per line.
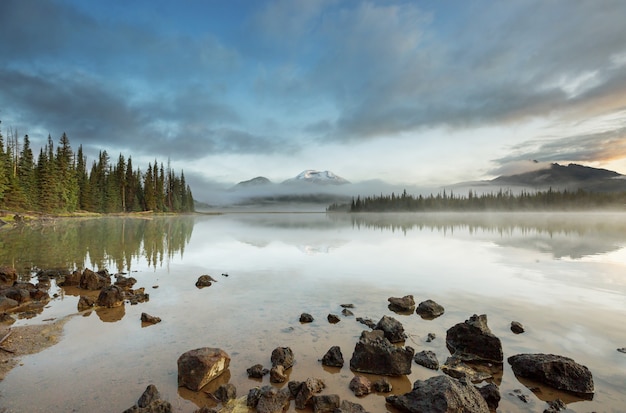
x=198, y=367
x=346, y=305
x=6, y=319
x=125, y=282
x=90, y=280
x=473, y=340
x=622, y=350
x=307, y=390
x=404, y=304
x=257, y=371
x=306, y=318
x=226, y=392
x=440, y=394
x=491, y=394
x=375, y=354
x=555, y=406
x=150, y=402
x=39, y=294
x=427, y=359
x=8, y=275
x=333, y=318
x=382, y=385
x=360, y=386
x=393, y=329
x=326, y=403
x=429, y=310
x=204, y=281
x=268, y=399
x=430, y=337
x=455, y=367
x=559, y=372
x=350, y=407
x=7, y=303
x=137, y=296
x=347, y=313
x=333, y=357
x=367, y=321
x=85, y=303
x=517, y=327
x=71, y=279
x=277, y=374
x=147, y=318
x=19, y=292
x=282, y=356
x=111, y=296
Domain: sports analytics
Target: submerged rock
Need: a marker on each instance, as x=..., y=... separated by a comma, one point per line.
x=382, y=385
x=455, y=367
x=85, y=302
x=429, y=310
x=226, y=392
x=559, y=372
x=198, y=367
x=367, y=321
x=440, y=394
x=350, y=407
x=473, y=340
x=205, y=281
x=375, y=354
x=333, y=357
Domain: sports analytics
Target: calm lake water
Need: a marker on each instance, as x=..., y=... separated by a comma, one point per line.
x=563, y=276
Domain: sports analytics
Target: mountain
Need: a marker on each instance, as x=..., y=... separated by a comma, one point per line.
x=317, y=177
x=254, y=182
x=569, y=177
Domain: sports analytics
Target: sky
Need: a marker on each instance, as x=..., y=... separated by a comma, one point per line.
x=420, y=92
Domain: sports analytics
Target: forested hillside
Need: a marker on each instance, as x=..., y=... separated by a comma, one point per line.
x=60, y=180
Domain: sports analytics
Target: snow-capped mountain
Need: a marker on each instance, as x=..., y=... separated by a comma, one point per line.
x=317, y=177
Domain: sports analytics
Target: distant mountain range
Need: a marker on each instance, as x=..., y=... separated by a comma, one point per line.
x=309, y=176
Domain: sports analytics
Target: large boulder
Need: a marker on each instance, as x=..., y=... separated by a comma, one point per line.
x=559, y=372
x=111, y=296
x=198, y=367
x=440, y=394
x=404, y=304
x=429, y=310
x=375, y=354
x=90, y=280
x=472, y=340
x=393, y=329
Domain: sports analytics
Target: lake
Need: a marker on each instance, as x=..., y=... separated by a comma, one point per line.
x=563, y=276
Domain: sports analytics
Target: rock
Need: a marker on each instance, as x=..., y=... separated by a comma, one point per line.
x=150, y=402
x=429, y=310
x=282, y=356
x=440, y=394
x=455, y=367
x=374, y=354
x=333, y=357
x=71, y=279
x=349, y=407
x=347, y=313
x=268, y=399
x=555, y=406
x=125, y=282
x=622, y=350
x=111, y=296
x=257, y=371
x=137, y=296
x=346, y=305
x=393, y=329
x=473, y=340
x=90, y=280
x=491, y=394
x=18, y=292
x=7, y=303
x=430, y=337
x=6, y=319
x=307, y=390
x=368, y=322
x=360, y=386
x=405, y=304
x=226, y=392
x=277, y=374
x=382, y=385
x=559, y=372
x=198, y=367
x=147, y=318
x=306, y=318
x=204, y=281
x=85, y=302
x=8, y=275
x=326, y=403
x=517, y=327
x=333, y=319
x=427, y=359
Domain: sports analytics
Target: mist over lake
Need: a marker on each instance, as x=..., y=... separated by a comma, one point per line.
x=561, y=275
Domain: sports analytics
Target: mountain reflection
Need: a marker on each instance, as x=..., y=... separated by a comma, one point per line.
x=96, y=243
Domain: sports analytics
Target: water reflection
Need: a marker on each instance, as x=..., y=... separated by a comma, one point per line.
x=112, y=243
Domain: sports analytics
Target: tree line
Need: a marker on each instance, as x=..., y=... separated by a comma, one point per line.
x=502, y=200
x=60, y=180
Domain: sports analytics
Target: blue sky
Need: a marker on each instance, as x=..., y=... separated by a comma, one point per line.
x=411, y=92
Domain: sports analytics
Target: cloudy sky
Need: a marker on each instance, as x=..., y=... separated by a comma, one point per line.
x=418, y=92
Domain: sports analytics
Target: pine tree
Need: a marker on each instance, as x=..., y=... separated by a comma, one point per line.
x=4, y=173
x=66, y=171
x=26, y=175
